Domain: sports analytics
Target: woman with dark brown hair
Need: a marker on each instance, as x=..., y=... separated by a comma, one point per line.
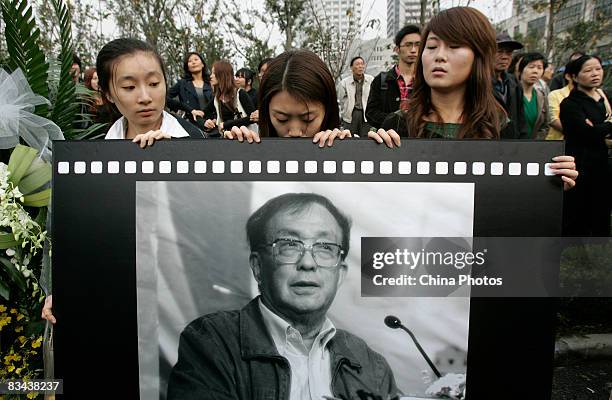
x=453, y=89
x=90, y=79
x=94, y=101
x=297, y=98
x=231, y=106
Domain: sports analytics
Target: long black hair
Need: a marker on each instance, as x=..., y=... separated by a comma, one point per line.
x=106, y=63
x=187, y=74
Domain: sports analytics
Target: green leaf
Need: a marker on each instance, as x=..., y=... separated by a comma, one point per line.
x=38, y=175
x=7, y=240
x=41, y=218
x=20, y=161
x=5, y=291
x=96, y=131
x=40, y=199
x=22, y=35
x=65, y=107
x=34, y=328
x=15, y=275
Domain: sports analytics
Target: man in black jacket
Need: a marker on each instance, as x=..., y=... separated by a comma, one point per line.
x=282, y=345
x=507, y=90
x=558, y=81
x=391, y=89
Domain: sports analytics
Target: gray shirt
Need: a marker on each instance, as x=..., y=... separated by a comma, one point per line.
x=201, y=99
x=358, y=93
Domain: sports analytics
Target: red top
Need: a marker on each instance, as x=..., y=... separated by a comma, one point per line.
x=404, y=88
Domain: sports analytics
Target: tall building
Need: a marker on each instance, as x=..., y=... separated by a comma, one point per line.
x=404, y=12
x=339, y=13
x=531, y=26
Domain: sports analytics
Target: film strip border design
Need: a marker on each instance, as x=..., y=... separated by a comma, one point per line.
x=313, y=167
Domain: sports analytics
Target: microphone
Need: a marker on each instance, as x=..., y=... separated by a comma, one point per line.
x=395, y=323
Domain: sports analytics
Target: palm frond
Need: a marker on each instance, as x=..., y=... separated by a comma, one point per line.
x=64, y=107
x=95, y=131
x=22, y=44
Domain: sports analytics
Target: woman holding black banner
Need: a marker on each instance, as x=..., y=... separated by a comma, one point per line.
x=132, y=80
x=297, y=98
x=453, y=90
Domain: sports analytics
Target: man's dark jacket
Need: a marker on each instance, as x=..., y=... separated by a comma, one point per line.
x=384, y=98
x=231, y=355
x=516, y=128
x=557, y=81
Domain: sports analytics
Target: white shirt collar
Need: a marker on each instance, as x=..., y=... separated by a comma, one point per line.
x=281, y=331
x=169, y=125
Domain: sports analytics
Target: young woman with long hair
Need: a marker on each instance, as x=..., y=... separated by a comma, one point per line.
x=94, y=101
x=244, y=80
x=297, y=98
x=453, y=90
x=90, y=79
x=132, y=80
x=230, y=106
x=193, y=90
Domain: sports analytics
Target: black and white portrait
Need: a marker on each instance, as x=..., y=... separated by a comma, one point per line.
x=194, y=258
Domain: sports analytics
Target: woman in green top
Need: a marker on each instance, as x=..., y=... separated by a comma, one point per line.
x=453, y=88
x=535, y=103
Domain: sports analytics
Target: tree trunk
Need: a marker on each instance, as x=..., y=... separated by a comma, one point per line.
x=423, y=8
x=288, y=37
x=551, y=27
x=288, y=26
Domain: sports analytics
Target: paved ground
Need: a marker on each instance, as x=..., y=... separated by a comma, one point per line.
x=583, y=380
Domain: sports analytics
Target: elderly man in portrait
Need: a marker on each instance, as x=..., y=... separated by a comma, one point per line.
x=282, y=345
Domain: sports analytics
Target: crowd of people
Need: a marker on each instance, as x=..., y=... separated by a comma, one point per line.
x=454, y=79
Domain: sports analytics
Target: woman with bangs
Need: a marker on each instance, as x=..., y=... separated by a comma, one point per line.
x=132, y=83
x=230, y=106
x=453, y=90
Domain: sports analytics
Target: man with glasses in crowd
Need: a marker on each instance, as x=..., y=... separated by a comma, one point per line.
x=282, y=345
x=391, y=89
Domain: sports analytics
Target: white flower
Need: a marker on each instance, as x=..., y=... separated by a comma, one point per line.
x=10, y=252
x=17, y=103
